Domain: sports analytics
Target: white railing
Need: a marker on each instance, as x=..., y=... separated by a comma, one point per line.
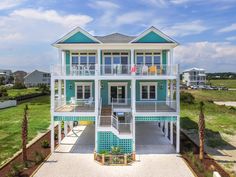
x=74, y=70
x=114, y=70
x=152, y=70
x=156, y=106
x=74, y=105
x=123, y=103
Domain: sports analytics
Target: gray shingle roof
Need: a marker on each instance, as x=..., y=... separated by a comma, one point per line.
x=115, y=38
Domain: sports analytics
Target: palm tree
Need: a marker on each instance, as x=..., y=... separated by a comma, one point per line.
x=201, y=129
x=24, y=133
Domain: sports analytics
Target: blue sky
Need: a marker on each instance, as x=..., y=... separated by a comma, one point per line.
x=206, y=29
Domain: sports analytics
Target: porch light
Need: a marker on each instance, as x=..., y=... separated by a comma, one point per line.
x=70, y=86
x=160, y=85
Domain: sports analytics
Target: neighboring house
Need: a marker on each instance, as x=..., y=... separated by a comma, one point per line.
x=36, y=78
x=6, y=74
x=194, y=76
x=19, y=76
x=116, y=81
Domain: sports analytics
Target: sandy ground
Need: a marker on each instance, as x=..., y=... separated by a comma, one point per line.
x=226, y=103
x=74, y=158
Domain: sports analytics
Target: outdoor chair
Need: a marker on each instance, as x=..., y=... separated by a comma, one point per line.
x=153, y=70
x=144, y=69
x=89, y=102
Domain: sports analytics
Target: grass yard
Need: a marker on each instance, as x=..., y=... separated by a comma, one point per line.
x=10, y=124
x=214, y=95
x=20, y=92
x=219, y=119
x=229, y=83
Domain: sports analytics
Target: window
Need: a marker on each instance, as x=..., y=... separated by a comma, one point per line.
x=83, y=90
x=148, y=91
x=148, y=59
x=83, y=59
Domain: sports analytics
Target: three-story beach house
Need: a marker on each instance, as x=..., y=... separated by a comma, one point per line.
x=116, y=81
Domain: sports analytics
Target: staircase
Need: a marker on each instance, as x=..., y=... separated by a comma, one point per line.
x=105, y=118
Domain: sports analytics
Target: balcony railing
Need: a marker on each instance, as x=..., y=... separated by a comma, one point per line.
x=114, y=70
x=152, y=70
x=74, y=106
x=155, y=106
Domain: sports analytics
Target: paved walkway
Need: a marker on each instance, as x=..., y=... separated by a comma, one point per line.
x=74, y=158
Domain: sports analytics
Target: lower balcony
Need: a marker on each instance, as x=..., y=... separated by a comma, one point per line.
x=74, y=105
x=155, y=106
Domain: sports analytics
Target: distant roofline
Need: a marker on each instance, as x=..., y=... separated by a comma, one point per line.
x=194, y=69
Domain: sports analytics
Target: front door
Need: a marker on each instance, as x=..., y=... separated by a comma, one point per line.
x=117, y=94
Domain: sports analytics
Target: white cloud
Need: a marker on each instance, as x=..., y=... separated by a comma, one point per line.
x=186, y=28
x=230, y=28
x=53, y=16
x=179, y=1
x=103, y=5
x=10, y=37
x=131, y=18
x=210, y=55
x=231, y=38
x=7, y=4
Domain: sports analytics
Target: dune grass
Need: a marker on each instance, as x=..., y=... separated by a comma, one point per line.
x=229, y=83
x=20, y=92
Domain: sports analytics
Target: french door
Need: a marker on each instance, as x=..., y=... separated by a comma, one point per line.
x=118, y=94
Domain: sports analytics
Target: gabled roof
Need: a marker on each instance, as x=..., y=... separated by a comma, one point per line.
x=194, y=69
x=115, y=38
x=163, y=38
x=74, y=32
x=36, y=71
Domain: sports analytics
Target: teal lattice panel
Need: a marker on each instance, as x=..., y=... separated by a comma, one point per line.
x=155, y=118
x=106, y=140
x=71, y=118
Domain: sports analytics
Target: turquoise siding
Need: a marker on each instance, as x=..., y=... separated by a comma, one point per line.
x=155, y=118
x=70, y=92
x=104, y=90
x=152, y=37
x=164, y=57
x=67, y=62
x=107, y=140
x=69, y=118
x=161, y=92
x=79, y=38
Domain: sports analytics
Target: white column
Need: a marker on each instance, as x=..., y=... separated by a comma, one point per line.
x=59, y=91
x=52, y=111
x=99, y=61
x=64, y=89
x=178, y=112
x=65, y=128
x=132, y=57
x=171, y=132
x=96, y=99
x=59, y=132
x=162, y=125
x=171, y=61
x=133, y=104
x=166, y=128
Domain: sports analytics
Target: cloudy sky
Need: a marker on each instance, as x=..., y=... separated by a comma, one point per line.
x=206, y=29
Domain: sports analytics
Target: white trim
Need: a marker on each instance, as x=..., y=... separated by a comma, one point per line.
x=148, y=84
x=117, y=84
x=73, y=32
x=155, y=30
x=83, y=84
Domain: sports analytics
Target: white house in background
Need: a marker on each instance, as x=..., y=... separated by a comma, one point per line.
x=6, y=74
x=37, y=77
x=194, y=76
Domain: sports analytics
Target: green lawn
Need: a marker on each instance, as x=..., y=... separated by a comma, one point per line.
x=214, y=95
x=20, y=92
x=219, y=119
x=229, y=83
x=10, y=124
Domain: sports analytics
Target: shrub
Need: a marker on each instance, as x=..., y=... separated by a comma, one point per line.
x=115, y=150
x=3, y=91
x=44, y=88
x=19, y=85
x=16, y=170
x=105, y=152
x=186, y=97
x=38, y=157
x=45, y=144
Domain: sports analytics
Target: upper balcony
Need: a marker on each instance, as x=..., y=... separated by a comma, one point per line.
x=114, y=70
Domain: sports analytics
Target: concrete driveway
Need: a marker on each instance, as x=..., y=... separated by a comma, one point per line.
x=74, y=158
x=150, y=139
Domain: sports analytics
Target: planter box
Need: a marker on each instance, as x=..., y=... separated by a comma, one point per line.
x=8, y=103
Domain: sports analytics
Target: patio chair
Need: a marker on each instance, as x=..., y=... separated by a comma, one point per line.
x=153, y=70
x=72, y=100
x=144, y=69
x=89, y=101
x=87, y=70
